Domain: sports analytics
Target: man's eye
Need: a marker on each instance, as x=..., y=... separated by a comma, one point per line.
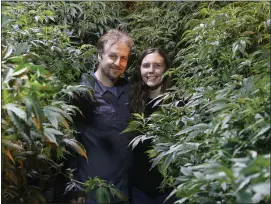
x=113, y=56
x=123, y=58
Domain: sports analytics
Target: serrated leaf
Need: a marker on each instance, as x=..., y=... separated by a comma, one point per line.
x=221, y=107
x=52, y=116
x=15, y=59
x=76, y=147
x=136, y=140
x=5, y=20
x=7, y=52
x=19, y=72
x=8, y=143
x=138, y=116
x=48, y=133
x=21, y=48
x=17, y=111
x=53, y=131
x=157, y=159
x=261, y=191
x=32, y=106
x=102, y=195
x=186, y=171
x=198, y=175
x=263, y=130
x=9, y=155
x=201, y=126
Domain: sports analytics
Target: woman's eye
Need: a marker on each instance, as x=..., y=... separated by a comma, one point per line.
x=146, y=65
x=156, y=65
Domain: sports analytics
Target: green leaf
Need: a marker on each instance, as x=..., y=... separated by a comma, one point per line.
x=5, y=20
x=19, y=72
x=261, y=190
x=12, y=108
x=90, y=184
x=263, y=130
x=199, y=175
x=11, y=144
x=221, y=107
x=49, y=133
x=15, y=59
x=21, y=48
x=37, y=196
x=186, y=171
x=244, y=197
x=118, y=193
x=52, y=116
x=138, y=116
x=102, y=196
x=136, y=140
x=201, y=126
x=53, y=131
x=32, y=106
x=76, y=146
x=7, y=52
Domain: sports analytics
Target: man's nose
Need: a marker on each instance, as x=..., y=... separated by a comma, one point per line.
x=117, y=62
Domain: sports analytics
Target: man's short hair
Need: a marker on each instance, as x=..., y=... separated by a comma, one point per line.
x=113, y=36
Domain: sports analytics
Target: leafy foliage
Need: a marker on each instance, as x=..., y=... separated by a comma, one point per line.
x=38, y=39
x=63, y=34
x=211, y=149
x=208, y=148
x=102, y=188
x=35, y=127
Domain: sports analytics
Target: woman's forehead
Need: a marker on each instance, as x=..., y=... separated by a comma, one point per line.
x=153, y=57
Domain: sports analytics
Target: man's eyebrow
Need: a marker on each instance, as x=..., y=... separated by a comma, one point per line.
x=152, y=63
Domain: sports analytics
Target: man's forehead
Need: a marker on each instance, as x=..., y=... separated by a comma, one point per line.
x=112, y=45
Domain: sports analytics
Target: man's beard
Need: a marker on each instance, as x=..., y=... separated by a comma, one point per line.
x=113, y=74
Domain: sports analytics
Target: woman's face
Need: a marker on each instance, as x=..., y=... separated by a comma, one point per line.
x=152, y=68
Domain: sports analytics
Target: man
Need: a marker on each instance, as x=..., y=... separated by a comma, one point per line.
x=106, y=115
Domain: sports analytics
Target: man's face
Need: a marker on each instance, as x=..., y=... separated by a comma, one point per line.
x=113, y=60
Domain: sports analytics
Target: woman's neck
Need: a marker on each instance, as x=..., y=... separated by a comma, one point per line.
x=155, y=92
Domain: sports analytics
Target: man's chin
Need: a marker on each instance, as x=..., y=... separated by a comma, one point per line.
x=114, y=77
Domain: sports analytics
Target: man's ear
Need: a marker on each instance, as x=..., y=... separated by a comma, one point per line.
x=99, y=57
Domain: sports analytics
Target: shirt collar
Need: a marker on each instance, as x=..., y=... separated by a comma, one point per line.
x=101, y=89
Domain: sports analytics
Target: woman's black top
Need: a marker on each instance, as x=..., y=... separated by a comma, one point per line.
x=143, y=178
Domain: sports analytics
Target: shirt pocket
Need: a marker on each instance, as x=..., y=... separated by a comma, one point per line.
x=104, y=109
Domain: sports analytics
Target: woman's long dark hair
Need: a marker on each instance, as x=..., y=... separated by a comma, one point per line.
x=140, y=90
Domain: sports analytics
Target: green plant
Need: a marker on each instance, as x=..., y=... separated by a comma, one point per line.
x=36, y=127
x=208, y=148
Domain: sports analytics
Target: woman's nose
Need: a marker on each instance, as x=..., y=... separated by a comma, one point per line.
x=151, y=69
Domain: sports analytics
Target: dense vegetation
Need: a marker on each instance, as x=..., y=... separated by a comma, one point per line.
x=213, y=149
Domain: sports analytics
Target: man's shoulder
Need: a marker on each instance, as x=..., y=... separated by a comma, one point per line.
x=87, y=79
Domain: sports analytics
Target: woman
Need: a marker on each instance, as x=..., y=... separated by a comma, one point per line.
x=151, y=66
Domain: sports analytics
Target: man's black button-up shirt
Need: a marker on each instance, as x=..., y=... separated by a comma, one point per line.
x=105, y=117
